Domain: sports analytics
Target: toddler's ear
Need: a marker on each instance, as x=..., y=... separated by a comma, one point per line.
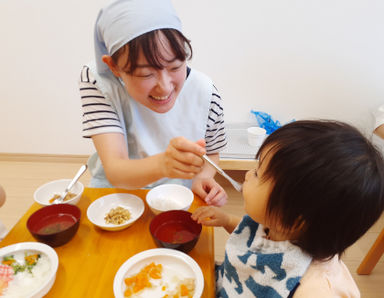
x=112, y=66
x=201, y=143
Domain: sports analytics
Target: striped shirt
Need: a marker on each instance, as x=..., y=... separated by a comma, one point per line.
x=100, y=117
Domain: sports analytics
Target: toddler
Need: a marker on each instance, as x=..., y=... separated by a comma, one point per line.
x=318, y=187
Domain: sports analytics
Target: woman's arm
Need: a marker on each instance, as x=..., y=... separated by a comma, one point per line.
x=180, y=160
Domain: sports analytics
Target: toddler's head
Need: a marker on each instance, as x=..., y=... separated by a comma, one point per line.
x=325, y=180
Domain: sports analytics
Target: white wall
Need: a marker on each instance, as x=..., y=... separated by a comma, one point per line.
x=292, y=59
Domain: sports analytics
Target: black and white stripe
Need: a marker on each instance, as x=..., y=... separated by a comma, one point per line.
x=215, y=137
x=98, y=114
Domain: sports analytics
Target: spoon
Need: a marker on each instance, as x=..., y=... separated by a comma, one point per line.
x=80, y=172
x=234, y=183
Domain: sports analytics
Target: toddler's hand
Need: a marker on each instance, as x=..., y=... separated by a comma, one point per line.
x=211, y=216
x=182, y=159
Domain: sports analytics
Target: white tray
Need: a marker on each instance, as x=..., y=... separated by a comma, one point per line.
x=238, y=147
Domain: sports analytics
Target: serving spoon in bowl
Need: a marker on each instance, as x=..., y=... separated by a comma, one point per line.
x=238, y=186
x=80, y=172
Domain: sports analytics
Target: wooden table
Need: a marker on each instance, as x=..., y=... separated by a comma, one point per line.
x=89, y=262
x=237, y=164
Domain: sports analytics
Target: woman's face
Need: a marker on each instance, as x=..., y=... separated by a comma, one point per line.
x=157, y=89
x=256, y=192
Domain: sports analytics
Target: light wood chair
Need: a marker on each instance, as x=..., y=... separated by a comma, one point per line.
x=373, y=256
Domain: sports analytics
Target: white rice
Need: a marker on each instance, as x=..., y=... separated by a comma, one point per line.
x=25, y=283
x=162, y=203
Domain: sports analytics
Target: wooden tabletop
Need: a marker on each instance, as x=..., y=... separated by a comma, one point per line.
x=237, y=164
x=88, y=263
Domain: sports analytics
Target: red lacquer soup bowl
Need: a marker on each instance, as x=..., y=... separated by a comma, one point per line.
x=54, y=225
x=175, y=229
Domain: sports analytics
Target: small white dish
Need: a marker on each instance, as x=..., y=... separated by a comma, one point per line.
x=167, y=197
x=97, y=211
x=176, y=265
x=35, y=247
x=45, y=192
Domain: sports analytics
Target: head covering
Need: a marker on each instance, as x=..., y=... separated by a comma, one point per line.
x=124, y=20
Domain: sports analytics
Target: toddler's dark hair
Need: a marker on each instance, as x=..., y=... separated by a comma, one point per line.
x=148, y=43
x=328, y=182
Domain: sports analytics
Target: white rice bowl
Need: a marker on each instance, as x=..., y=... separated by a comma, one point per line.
x=38, y=281
x=167, y=197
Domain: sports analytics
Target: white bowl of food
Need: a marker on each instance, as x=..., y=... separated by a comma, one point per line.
x=167, y=197
x=176, y=274
x=46, y=193
x=28, y=269
x=116, y=211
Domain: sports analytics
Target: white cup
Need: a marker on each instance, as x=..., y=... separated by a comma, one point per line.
x=256, y=136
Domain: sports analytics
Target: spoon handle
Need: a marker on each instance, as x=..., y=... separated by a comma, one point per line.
x=80, y=172
x=234, y=183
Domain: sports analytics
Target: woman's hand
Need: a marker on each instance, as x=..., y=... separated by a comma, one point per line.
x=210, y=191
x=182, y=159
x=211, y=216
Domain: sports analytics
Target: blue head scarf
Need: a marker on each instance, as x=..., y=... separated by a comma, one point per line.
x=123, y=20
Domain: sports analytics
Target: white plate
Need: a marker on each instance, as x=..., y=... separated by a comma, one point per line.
x=100, y=208
x=43, y=249
x=175, y=264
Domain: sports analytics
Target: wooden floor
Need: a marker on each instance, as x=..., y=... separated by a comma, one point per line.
x=21, y=178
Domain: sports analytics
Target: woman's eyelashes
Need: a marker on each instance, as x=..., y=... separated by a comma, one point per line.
x=150, y=72
x=143, y=74
x=176, y=68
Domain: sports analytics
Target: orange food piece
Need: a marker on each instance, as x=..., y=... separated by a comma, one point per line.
x=31, y=259
x=184, y=290
x=155, y=271
x=9, y=262
x=141, y=280
x=129, y=281
x=128, y=293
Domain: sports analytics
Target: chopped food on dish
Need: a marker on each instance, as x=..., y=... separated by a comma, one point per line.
x=151, y=276
x=69, y=196
x=21, y=273
x=117, y=216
